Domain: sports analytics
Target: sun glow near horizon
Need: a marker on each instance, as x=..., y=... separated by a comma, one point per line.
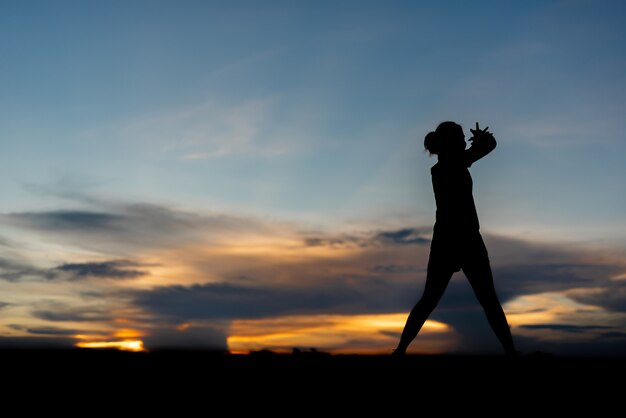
x=130, y=345
x=126, y=339
x=336, y=334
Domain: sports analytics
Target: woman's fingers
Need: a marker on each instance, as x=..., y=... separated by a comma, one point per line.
x=480, y=131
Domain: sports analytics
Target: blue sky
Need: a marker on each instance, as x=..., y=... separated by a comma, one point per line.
x=150, y=136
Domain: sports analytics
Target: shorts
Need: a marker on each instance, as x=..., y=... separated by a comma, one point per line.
x=455, y=251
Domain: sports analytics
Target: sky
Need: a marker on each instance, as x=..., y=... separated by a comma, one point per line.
x=242, y=175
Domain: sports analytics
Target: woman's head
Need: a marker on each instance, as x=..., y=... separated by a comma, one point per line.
x=447, y=139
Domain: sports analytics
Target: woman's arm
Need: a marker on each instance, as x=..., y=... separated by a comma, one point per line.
x=483, y=142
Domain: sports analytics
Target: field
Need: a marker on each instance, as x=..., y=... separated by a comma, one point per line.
x=345, y=381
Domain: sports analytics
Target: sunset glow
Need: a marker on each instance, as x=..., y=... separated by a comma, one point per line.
x=333, y=333
x=135, y=345
x=128, y=334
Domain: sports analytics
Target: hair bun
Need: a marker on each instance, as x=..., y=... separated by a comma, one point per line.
x=431, y=141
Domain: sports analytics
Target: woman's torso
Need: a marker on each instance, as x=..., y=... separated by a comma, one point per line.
x=456, y=211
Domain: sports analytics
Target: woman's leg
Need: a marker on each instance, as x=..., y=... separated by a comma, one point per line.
x=478, y=272
x=437, y=280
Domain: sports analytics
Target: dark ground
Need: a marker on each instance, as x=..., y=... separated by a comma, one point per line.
x=314, y=381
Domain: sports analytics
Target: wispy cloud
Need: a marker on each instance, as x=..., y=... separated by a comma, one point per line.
x=54, y=331
x=66, y=220
x=116, y=269
x=403, y=236
x=566, y=327
x=133, y=226
x=211, y=130
x=60, y=312
x=15, y=270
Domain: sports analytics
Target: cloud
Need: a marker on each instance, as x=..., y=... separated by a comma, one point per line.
x=529, y=278
x=612, y=297
x=117, y=269
x=209, y=268
x=65, y=220
x=366, y=272
x=58, y=312
x=46, y=330
x=335, y=242
x=126, y=227
x=403, y=236
x=565, y=327
x=224, y=301
x=358, y=283
x=12, y=271
x=395, y=268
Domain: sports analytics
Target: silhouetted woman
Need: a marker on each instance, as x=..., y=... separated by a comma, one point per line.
x=457, y=244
